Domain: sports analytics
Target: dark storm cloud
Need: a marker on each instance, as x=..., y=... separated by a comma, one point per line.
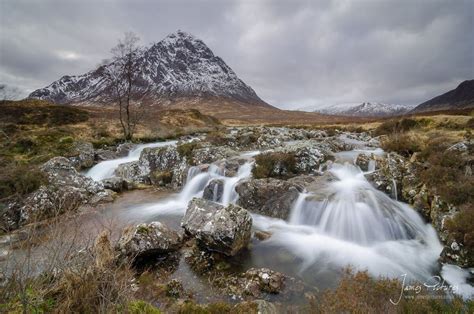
x=293, y=53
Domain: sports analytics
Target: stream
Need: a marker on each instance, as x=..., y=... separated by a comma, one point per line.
x=351, y=224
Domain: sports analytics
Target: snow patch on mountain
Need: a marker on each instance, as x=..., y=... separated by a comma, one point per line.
x=178, y=66
x=366, y=109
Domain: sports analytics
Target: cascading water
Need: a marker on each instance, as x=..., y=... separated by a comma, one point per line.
x=194, y=187
x=106, y=169
x=355, y=224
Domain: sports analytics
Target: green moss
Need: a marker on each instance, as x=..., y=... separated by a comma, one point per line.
x=276, y=165
x=142, y=307
x=161, y=178
x=186, y=151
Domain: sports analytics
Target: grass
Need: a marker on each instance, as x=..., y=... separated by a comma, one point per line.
x=186, y=151
x=274, y=165
x=360, y=293
x=34, y=131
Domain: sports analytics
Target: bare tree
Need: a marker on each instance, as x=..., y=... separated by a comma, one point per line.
x=123, y=74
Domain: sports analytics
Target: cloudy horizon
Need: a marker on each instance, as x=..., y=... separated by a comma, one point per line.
x=294, y=54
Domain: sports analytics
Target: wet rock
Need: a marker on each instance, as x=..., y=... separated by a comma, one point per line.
x=164, y=159
x=271, y=197
x=262, y=235
x=118, y=184
x=131, y=171
x=83, y=155
x=363, y=161
x=210, y=154
x=174, y=289
x=214, y=190
x=388, y=174
x=258, y=280
x=148, y=239
x=218, y=228
x=161, y=178
x=105, y=154
x=124, y=148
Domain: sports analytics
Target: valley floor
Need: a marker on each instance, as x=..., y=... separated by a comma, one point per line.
x=334, y=214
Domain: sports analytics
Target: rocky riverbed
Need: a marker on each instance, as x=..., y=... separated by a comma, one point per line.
x=253, y=213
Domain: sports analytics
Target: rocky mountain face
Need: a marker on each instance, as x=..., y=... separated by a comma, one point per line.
x=178, y=66
x=367, y=109
x=462, y=97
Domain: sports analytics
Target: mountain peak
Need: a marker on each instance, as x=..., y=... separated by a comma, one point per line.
x=462, y=97
x=180, y=65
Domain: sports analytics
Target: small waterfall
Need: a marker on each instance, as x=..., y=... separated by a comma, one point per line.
x=195, y=185
x=394, y=189
x=106, y=169
x=355, y=211
x=192, y=172
x=371, y=166
x=230, y=195
x=348, y=222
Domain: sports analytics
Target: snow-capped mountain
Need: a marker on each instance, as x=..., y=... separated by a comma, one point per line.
x=178, y=66
x=367, y=109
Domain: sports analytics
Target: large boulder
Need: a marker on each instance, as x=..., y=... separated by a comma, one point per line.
x=83, y=155
x=271, y=197
x=218, y=228
x=148, y=239
x=164, y=159
x=66, y=191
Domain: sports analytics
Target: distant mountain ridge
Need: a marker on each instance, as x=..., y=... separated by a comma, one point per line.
x=367, y=109
x=180, y=65
x=462, y=97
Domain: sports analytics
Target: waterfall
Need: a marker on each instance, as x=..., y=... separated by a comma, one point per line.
x=355, y=211
x=106, y=169
x=230, y=195
x=394, y=189
x=348, y=222
x=192, y=172
x=194, y=187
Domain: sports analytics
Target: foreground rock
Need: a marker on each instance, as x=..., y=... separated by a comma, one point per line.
x=148, y=239
x=83, y=155
x=66, y=191
x=218, y=228
x=271, y=197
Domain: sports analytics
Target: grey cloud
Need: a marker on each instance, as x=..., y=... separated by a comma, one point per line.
x=293, y=53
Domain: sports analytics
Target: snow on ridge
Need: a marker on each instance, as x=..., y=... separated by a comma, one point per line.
x=178, y=65
x=367, y=109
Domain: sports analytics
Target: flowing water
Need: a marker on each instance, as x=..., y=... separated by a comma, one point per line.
x=346, y=223
x=106, y=169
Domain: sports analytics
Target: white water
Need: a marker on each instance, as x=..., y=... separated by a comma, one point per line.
x=106, y=169
x=356, y=225
x=194, y=187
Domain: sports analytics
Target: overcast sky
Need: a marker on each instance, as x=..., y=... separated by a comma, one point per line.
x=293, y=53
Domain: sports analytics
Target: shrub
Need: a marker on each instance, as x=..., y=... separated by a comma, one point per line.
x=400, y=125
x=216, y=138
x=278, y=165
x=142, y=307
x=401, y=143
x=461, y=227
x=186, y=151
x=446, y=174
x=360, y=293
x=470, y=123
x=19, y=180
